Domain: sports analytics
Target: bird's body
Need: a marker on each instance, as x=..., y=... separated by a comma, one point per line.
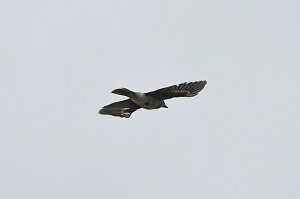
x=150, y=100
x=146, y=102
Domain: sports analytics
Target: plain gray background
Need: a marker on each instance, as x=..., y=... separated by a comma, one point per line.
x=239, y=138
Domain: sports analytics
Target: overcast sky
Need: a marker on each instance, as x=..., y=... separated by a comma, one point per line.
x=239, y=138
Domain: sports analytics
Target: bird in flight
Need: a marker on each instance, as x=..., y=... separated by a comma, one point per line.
x=150, y=100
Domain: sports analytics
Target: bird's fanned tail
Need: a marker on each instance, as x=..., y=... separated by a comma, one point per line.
x=123, y=91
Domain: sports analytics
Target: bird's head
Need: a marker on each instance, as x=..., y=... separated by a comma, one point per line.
x=162, y=104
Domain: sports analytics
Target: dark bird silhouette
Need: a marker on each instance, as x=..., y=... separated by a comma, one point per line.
x=150, y=100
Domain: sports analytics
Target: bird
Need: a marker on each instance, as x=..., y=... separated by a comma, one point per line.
x=150, y=100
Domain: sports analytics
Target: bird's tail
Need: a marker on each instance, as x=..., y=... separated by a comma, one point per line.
x=123, y=91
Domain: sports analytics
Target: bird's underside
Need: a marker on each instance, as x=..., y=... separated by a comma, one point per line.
x=150, y=100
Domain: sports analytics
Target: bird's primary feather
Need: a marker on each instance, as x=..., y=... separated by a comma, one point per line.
x=182, y=90
x=121, y=109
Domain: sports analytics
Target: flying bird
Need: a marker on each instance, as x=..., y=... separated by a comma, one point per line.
x=150, y=100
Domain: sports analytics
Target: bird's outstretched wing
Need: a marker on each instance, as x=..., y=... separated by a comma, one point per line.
x=182, y=90
x=121, y=109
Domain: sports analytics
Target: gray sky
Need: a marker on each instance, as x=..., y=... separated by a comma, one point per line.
x=239, y=138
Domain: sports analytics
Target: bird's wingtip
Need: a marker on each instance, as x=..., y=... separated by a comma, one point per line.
x=100, y=111
x=203, y=82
